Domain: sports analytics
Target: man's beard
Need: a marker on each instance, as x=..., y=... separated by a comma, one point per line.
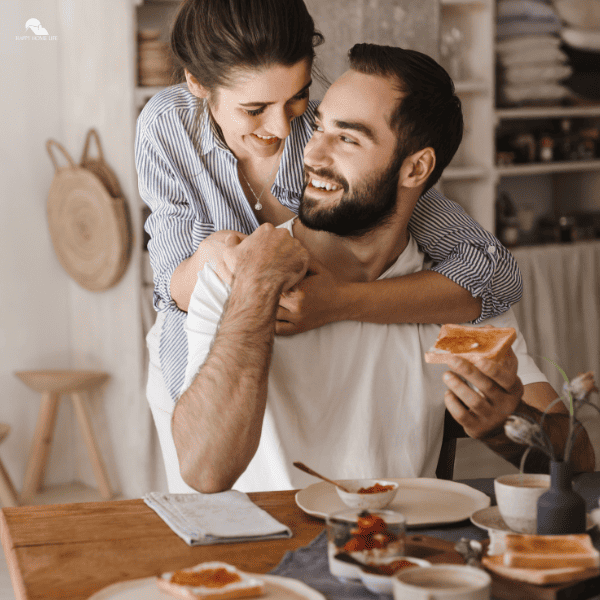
x=370, y=205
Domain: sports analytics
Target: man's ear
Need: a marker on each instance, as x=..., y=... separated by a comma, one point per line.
x=417, y=168
x=195, y=86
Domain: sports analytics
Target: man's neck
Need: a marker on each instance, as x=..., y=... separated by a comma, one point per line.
x=363, y=258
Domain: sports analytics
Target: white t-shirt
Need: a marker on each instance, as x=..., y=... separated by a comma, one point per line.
x=350, y=399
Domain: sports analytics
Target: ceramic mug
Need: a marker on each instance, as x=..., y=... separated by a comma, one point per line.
x=517, y=497
x=442, y=582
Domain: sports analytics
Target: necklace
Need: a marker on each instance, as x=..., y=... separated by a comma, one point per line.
x=258, y=205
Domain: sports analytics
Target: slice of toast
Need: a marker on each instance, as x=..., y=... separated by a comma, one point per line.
x=210, y=581
x=550, y=551
x=471, y=343
x=535, y=576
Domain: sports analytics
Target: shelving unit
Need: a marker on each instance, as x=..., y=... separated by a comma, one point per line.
x=469, y=180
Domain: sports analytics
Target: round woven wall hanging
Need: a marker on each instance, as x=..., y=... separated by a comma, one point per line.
x=89, y=227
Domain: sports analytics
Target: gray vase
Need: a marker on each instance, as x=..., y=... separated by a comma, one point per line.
x=561, y=510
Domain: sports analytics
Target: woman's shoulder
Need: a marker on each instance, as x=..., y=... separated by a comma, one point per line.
x=175, y=98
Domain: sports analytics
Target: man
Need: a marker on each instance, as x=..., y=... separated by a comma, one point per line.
x=349, y=399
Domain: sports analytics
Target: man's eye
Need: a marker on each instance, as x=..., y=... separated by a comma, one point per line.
x=347, y=140
x=255, y=113
x=316, y=127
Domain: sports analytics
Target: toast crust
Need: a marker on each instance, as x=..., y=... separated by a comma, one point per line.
x=471, y=343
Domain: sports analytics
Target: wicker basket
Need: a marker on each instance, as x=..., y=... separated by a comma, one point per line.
x=88, y=219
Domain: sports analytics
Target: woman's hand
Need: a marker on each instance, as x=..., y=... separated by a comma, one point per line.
x=499, y=392
x=313, y=302
x=218, y=251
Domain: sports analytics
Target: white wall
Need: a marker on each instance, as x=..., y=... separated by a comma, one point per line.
x=34, y=290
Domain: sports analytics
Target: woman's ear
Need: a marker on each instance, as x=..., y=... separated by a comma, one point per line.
x=195, y=86
x=417, y=168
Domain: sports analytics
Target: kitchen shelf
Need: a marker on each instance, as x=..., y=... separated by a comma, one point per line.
x=548, y=168
x=548, y=112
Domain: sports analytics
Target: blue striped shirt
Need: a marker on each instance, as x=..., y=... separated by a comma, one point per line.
x=188, y=177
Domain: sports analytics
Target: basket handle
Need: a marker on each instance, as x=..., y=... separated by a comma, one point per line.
x=92, y=133
x=60, y=147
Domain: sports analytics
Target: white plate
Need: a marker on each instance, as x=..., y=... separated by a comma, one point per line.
x=276, y=588
x=422, y=501
x=382, y=584
x=491, y=519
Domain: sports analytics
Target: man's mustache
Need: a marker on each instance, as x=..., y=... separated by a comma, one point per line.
x=325, y=174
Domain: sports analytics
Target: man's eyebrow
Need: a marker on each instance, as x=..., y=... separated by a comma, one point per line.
x=269, y=103
x=353, y=126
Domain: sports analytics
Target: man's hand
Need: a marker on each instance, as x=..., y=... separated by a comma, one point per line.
x=270, y=256
x=312, y=303
x=500, y=390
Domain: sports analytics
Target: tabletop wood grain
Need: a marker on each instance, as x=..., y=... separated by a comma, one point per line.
x=74, y=550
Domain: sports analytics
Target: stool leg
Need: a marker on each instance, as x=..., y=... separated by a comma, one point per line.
x=8, y=494
x=92, y=447
x=40, y=447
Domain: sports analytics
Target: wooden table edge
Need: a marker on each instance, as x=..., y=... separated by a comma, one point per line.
x=16, y=578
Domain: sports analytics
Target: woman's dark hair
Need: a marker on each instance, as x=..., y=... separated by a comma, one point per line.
x=428, y=113
x=213, y=39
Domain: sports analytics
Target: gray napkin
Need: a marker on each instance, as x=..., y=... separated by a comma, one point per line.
x=222, y=518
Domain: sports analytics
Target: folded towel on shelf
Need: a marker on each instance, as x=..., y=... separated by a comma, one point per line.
x=541, y=55
x=226, y=517
x=535, y=92
x=525, y=43
x=534, y=73
x=525, y=17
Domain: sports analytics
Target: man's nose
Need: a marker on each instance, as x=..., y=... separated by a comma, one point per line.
x=317, y=152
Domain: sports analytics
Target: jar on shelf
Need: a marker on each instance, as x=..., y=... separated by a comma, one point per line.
x=546, y=148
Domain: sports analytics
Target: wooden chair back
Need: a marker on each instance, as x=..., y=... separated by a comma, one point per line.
x=452, y=431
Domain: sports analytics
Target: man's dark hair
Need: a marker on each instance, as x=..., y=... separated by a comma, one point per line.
x=428, y=113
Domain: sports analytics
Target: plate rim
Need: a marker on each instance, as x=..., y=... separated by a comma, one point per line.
x=589, y=521
x=294, y=585
x=424, y=482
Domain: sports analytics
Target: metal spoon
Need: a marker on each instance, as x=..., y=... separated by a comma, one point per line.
x=308, y=470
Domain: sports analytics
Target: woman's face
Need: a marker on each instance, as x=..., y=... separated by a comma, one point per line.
x=255, y=113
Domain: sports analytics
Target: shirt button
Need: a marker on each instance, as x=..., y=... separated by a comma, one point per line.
x=491, y=249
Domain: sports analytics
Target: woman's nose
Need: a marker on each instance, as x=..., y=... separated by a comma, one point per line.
x=279, y=123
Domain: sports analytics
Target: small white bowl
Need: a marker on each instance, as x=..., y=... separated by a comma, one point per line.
x=366, y=501
x=382, y=584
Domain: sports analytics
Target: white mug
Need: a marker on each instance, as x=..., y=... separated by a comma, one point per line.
x=517, y=497
x=442, y=582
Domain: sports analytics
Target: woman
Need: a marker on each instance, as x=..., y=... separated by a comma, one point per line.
x=224, y=153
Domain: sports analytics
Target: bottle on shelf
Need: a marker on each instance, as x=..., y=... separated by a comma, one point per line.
x=567, y=145
x=507, y=222
x=546, y=148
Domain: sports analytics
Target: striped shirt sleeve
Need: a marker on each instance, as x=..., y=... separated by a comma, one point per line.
x=172, y=221
x=466, y=253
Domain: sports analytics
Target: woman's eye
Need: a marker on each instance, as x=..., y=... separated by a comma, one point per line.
x=301, y=96
x=255, y=113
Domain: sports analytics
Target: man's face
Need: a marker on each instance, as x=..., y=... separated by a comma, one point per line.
x=350, y=163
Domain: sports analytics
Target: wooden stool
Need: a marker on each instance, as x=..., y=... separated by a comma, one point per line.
x=8, y=494
x=51, y=384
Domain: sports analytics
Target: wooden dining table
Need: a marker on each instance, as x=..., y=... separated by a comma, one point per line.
x=72, y=551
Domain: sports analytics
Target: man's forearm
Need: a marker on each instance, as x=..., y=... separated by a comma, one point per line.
x=217, y=421
x=556, y=426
